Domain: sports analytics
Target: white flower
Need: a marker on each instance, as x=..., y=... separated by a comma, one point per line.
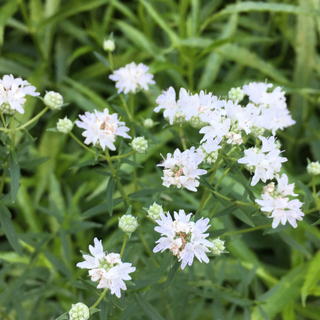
x=278, y=206
x=183, y=237
x=13, y=92
x=256, y=90
x=132, y=78
x=106, y=268
x=102, y=128
x=181, y=169
x=265, y=161
x=167, y=101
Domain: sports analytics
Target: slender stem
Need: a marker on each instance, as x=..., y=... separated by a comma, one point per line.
x=240, y=203
x=314, y=186
x=84, y=146
x=125, y=106
x=183, y=140
x=205, y=193
x=247, y=230
x=122, y=155
x=135, y=177
x=114, y=172
x=5, y=130
x=33, y=119
x=131, y=97
x=100, y=298
x=148, y=248
x=13, y=134
x=110, y=60
x=312, y=210
x=123, y=244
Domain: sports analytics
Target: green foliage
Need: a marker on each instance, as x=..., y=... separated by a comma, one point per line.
x=56, y=197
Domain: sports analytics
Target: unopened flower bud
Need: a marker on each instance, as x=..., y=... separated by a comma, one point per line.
x=154, y=211
x=139, y=144
x=53, y=100
x=209, y=157
x=108, y=45
x=5, y=108
x=218, y=246
x=197, y=123
x=128, y=223
x=236, y=94
x=313, y=168
x=179, y=118
x=268, y=189
x=148, y=123
x=79, y=311
x=64, y=125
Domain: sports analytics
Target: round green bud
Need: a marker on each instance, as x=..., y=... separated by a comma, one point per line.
x=5, y=108
x=79, y=311
x=108, y=45
x=179, y=118
x=196, y=122
x=64, y=125
x=53, y=100
x=148, y=123
x=210, y=157
x=128, y=223
x=313, y=168
x=236, y=94
x=154, y=211
x=139, y=144
x=218, y=246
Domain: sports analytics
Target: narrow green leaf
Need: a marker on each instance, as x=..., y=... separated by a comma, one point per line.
x=311, y=278
x=172, y=274
x=100, y=208
x=110, y=192
x=14, y=175
x=8, y=228
x=102, y=59
x=64, y=316
x=294, y=244
x=58, y=264
x=147, y=308
x=146, y=192
x=225, y=211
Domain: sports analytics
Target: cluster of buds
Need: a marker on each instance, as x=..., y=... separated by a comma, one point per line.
x=139, y=144
x=64, y=125
x=79, y=311
x=53, y=100
x=128, y=224
x=154, y=211
x=236, y=94
x=218, y=246
x=313, y=168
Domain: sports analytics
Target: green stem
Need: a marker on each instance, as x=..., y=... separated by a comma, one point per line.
x=312, y=210
x=100, y=298
x=123, y=244
x=247, y=230
x=125, y=106
x=13, y=134
x=110, y=60
x=122, y=155
x=148, y=248
x=183, y=141
x=240, y=203
x=33, y=119
x=84, y=146
x=314, y=191
x=135, y=178
x=114, y=172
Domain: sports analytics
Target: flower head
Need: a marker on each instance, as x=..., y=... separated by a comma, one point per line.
x=139, y=144
x=106, y=268
x=64, y=125
x=276, y=204
x=186, y=239
x=13, y=92
x=181, y=169
x=79, y=311
x=265, y=162
x=313, y=168
x=154, y=211
x=132, y=78
x=128, y=223
x=218, y=246
x=53, y=100
x=108, y=45
x=102, y=128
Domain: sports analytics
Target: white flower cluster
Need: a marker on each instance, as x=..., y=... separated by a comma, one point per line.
x=181, y=169
x=13, y=92
x=183, y=237
x=132, y=78
x=102, y=128
x=106, y=268
x=264, y=161
x=276, y=204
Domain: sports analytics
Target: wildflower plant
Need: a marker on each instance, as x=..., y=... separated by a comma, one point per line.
x=178, y=171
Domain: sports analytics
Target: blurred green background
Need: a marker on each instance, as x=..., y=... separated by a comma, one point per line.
x=208, y=45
